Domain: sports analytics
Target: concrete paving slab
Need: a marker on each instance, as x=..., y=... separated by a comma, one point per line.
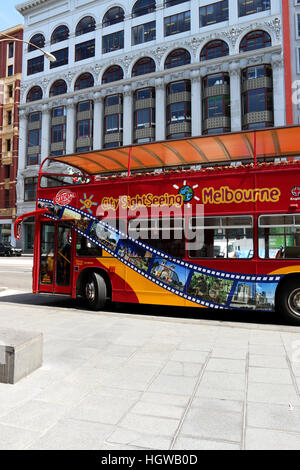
x=273, y=393
x=189, y=356
x=185, y=369
x=69, y=434
x=34, y=415
x=274, y=417
x=261, y=439
x=12, y=438
x=152, y=425
x=174, y=385
x=203, y=422
x=269, y=375
x=236, y=366
x=101, y=409
x=153, y=409
x=267, y=360
x=192, y=443
x=142, y=440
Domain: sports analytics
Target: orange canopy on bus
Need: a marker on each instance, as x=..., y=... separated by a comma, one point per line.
x=241, y=146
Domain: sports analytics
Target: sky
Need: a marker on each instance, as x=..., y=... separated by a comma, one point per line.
x=8, y=14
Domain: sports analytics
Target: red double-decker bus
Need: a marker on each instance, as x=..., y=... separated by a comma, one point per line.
x=211, y=222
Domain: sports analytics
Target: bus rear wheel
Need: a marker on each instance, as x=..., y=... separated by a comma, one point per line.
x=288, y=300
x=95, y=291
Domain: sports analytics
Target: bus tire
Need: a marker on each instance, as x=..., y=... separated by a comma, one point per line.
x=95, y=291
x=288, y=300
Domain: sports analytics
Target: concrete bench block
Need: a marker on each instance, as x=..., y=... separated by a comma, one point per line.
x=21, y=352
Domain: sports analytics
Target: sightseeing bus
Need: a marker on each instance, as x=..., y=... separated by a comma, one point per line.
x=209, y=222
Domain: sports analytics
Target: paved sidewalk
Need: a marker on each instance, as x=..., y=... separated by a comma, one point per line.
x=115, y=381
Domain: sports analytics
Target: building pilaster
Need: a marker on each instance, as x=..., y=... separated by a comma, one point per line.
x=45, y=137
x=196, y=104
x=235, y=96
x=160, y=109
x=71, y=125
x=98, y=122
x=127, y=115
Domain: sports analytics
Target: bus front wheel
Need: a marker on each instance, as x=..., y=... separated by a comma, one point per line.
x=95, y=291
x=288, y=300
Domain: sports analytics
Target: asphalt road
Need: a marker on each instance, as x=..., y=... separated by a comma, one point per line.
x=16, y=276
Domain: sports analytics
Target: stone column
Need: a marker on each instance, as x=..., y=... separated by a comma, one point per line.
x=196, y=104
x=23, y=125
x=195, y=8
x=127, y=33
x=45, y=138
x=160, y=109
x=233, y=12
x=127, y=115
x=98, y=122
x=235, y=96
x=71, y=125
x=278, y=91
x=159, y=18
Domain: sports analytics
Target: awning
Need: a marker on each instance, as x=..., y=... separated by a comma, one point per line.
x=241, y=146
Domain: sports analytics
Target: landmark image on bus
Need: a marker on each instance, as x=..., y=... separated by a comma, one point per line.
x=114, y=224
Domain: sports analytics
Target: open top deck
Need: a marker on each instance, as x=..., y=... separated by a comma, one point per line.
x=244, y=147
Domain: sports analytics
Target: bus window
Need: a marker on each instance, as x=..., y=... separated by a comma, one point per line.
x=224, y=237
x=279, y=236
x=57, y=181
x=166, y=235
x=86, y=248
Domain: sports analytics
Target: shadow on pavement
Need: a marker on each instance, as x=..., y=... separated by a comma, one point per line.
x=238, y=316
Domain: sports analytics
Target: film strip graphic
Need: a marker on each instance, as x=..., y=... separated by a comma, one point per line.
x=203, y=286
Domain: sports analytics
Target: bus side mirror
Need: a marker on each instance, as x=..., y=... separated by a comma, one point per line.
x=19, y=230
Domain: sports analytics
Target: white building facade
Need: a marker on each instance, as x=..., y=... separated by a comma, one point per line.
x=294, y=8
x=145, y=70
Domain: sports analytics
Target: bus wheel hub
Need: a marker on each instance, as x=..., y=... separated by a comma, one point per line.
x=294, y=301
x=90, y=291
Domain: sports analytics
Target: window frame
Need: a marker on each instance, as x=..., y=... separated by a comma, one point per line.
x=176, y=20
x=220, y=44
x=214, y=6
x=85, y=50
x=35, y=65
x=225, y=227
x=284, y=226
x=119, y=35
x=79, y=31
x=141, y=29
x=34, y=182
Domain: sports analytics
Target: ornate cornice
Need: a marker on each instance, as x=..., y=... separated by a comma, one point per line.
x=25, y=6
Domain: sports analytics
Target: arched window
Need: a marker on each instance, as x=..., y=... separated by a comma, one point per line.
x=177, y=58
x=142, y=7
x=255, y=40
x=86, y=25
x=112, y=74
x=143, y=66
x=58, y=88
x=61, y=33
x=113, y=16
x=214, y=49
x=38, y=40
x=34, y=94
x=86, y=80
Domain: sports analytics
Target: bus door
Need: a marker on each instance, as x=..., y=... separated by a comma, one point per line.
x=55, y=267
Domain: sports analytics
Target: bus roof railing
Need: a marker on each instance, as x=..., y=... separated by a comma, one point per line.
x=245, y=146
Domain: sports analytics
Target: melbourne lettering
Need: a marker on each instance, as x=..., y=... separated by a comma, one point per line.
x=225, y=195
